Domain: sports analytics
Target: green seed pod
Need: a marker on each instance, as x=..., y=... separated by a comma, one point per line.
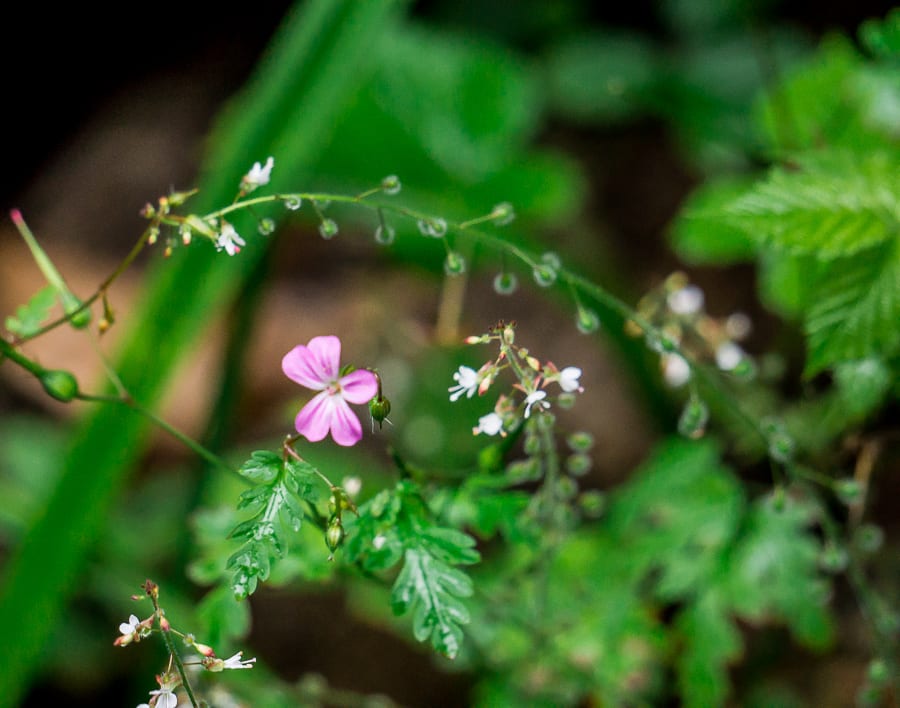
x=334, y=535
x=59, y=384
x=693, y=420
x=587, y=321
x=328, y=229
x=379, y=408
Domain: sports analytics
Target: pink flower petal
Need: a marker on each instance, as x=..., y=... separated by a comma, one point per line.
x=314, y=419
x=345, y=426
x=359, y=386
x=314, y=365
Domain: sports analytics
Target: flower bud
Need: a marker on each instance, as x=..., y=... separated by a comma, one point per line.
x=693, y=420
x=59, y=384
x=587, y=321
x=334, y=534
x=379, y=408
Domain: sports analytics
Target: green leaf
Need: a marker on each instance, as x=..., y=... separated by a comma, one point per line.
x=711, y=642
x=701, y=235
x=861, y=387
x=277, y=516
x=681, y=509
x=832, y=206
x=30, y=316
x=431, y=589
x=882, y=37
x=819, y=105
x=397, y=524
x=855, y=311
x=774, y=572
x=262, y=467
x=601, y=77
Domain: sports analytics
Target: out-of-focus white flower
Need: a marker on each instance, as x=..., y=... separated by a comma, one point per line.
x=568, y=379
x=536, y=397
x=258, y=176
x=229, y=240
x=466, y=383
x=676, y=371
x=728, y=356
x=489, y=424
x=686, y=301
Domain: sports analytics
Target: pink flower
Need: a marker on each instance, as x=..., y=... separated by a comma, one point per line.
x=317, y=366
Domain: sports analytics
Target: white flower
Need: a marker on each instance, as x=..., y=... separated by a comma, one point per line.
x=686, y=301
x=236, y=662
x=489, y=424
x=676, y=371
x=229, y=240
x=131, y=626
x=568, y=379
x=379, y=541
x=352, y=485
x=536, y=397
x=165, y=698
x=728, y=356
x=258, y=176
x=466, y=383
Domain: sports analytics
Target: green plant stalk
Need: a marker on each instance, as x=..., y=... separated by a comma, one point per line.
x=72, y=305
x=315, y=63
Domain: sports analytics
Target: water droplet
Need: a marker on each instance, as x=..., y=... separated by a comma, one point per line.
x=454, y=264
x=266, y=226
x=544, y=275
x=390, y=185
x=385, y=235
x=328, y=229
x=587, y=321
x=693, y=420
x=869, y=538
x=435, y=228
x=293, y=202
x=503, y=214
x=551, y=259
x=848, y=490
x=505, y=283
x=833, y=558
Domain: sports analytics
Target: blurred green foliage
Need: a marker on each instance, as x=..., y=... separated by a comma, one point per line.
x=653, y=601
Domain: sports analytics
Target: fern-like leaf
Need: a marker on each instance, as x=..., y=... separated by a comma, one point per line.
x=397, y=524
x=856, y=311
x=276, y=503
x=834, y=206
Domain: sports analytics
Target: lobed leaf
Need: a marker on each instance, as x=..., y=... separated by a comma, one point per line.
x=855, y=311
x=32, y=315
x=835, y=205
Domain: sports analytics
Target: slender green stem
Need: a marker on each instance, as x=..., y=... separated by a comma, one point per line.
x=101, y=289
x=10, y=352
x=185, y=439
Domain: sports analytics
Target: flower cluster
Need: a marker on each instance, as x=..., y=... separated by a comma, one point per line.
x=676, y=310
x=170, y=680
x=532, y=379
